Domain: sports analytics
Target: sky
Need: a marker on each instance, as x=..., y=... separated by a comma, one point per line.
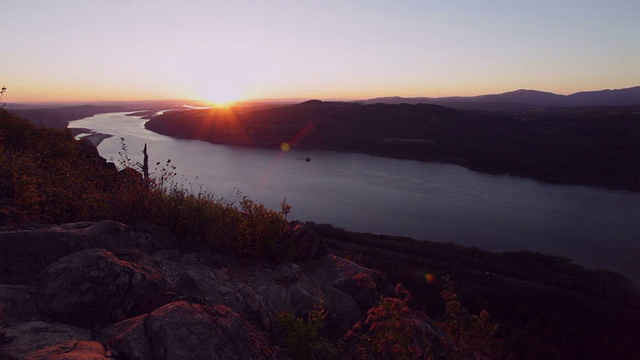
x=223, y=50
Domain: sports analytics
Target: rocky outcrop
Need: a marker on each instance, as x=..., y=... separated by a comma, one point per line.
x=44, y=340
x=181, y=330
x=17, y=303
x=366, y=286
x=309, y=246
x=93, y=287
x=106, y=289
x=25, y=252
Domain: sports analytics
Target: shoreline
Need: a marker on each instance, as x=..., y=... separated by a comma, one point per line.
x=398, y=250
x=95, y=138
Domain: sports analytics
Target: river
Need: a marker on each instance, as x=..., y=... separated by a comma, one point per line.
x=595, y=227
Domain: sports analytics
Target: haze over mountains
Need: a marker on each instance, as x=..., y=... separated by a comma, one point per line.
x=524, y=99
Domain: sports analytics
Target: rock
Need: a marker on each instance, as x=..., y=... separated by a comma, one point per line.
x=189, y=279
x=309, y=245
x=96, y=274
x=128, y=339
x=17, y=304
x=221, y=275
x=343, y=312
x=287, y=272
x=93, y=287
x=300, y=298
x=197, y=279
x=40, y=340
x=366, y=286
x=165, y=239
x=116, y=237
x=297, y=298
x=252, y=307
x=181, y=330
x=24, y=253
x=167, y=255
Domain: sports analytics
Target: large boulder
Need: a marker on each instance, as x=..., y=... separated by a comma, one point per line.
x=116, y=237
x=258, y=292
x=343, y=312
x=182, y=330
x=164, y=239
x=309, y=245
x=301, y=297
x=41, y=340
x=24, y=253
x=17, y=304
x=93, y=287
x=287, y=272
x=365, y=285
x=189, y=278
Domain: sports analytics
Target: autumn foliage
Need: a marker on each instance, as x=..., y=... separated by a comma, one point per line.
x=59, y=179
x=393, y=330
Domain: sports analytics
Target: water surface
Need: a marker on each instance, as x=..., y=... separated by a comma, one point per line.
x=594, y=226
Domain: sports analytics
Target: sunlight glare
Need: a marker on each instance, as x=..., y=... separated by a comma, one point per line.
x=221, y=99
x=220, y=95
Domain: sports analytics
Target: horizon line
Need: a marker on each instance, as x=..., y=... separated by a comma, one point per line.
x=294, y=99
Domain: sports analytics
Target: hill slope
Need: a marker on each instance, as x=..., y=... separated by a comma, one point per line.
x=586, y=145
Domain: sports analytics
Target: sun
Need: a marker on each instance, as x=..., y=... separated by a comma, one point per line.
x=221, y=96
x=221, y=101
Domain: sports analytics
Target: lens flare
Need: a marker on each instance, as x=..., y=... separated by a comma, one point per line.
x=431, y=278
x=285, y=147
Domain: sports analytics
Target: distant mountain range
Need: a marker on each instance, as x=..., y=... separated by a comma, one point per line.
x=524, y=100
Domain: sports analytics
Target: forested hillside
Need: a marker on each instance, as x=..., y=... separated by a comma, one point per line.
x=593, y=146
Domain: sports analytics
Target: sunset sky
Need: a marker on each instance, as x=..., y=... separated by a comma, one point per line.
x=90, y=50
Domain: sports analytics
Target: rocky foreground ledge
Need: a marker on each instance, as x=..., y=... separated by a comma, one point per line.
x=105, y=290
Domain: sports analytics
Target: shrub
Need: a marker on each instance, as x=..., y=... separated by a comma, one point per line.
x=393, y=330
x=304, y=339
x=390, y=330
x=51, y=172
x=468, y=336
x=65, y=179
x=264, y=232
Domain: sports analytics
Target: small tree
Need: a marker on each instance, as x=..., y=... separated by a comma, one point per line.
x=304, y=339
x=390, y=330
x=466, y=335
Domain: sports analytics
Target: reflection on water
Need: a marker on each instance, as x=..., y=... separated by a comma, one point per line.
x=441, y=202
